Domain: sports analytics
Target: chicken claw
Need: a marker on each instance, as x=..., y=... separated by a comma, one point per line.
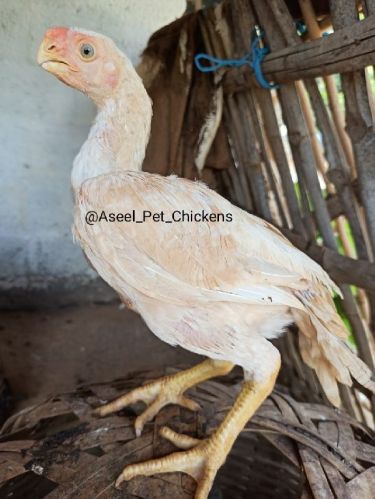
x=155, y=395
x=167, y=390
x=200, y=459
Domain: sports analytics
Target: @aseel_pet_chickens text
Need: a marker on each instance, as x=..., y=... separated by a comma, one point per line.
x=174, y=216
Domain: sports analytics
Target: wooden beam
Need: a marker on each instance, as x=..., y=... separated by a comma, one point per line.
x=345, y=50
x=342, y=269
x=359, y=120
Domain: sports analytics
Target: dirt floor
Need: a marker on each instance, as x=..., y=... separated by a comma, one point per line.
x=54, y=350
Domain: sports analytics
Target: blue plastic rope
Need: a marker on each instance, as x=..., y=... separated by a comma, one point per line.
x=253, y=59
x=301, y=28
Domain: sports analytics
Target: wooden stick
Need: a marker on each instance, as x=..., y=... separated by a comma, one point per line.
x=342, y=269
x=338, y=170
x=360, y=127
x=320, y=160
x=315, y=32
x=298, y=134
x=198, y=4
x=347, y=198
x=281, y=25
x=368, y=7
x=272, y=130
x=268, y=152
x=346, y=50
x=241, y=23
x=359, y=119
x=242, y=134
x=274, y=187
x=239, y=120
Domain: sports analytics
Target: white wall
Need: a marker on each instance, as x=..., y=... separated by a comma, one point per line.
x=42, y=125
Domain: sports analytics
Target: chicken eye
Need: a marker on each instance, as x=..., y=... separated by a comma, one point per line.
x=87, y=51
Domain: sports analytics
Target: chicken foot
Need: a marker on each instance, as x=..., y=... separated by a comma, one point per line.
x=201, y=459
x=167, y=390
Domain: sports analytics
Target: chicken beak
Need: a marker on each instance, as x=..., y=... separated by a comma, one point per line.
x=48, y=58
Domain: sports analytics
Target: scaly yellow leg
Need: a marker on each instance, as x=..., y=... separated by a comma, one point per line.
x=167, y=390
x=202, y=458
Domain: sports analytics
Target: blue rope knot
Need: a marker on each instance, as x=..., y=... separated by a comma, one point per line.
x=253, y=59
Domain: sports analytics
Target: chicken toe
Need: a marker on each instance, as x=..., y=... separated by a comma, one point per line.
x=167, y=390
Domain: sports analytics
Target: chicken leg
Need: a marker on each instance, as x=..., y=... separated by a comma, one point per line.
x=167, y=390
x=201, y=459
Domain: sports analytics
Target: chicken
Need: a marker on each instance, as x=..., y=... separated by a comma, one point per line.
x=221, y=286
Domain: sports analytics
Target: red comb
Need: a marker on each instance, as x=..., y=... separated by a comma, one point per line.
x=58, y=33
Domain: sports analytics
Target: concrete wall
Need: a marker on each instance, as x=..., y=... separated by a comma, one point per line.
x=42, y=125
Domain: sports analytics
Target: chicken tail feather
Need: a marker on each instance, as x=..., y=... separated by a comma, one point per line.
x=324, y=348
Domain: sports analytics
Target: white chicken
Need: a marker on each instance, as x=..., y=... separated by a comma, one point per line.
x=218, y=288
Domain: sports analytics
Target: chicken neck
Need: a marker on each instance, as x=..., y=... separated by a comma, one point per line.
x=118, y=138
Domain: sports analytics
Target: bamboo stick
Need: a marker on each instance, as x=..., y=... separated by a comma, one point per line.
x=234, y=132
x=360, y=126
x=321, y=162
x=273, y=187
x=338, y=118
x=368, y=7
x=282, y=28
x=359, y=120
x=240, y=124
x=288, y=33
x=274, y=138
x=242, y=23
x=268, y=153
x=337, y=168
x=227, y=183
x=294, y=119
x=347, y=201
x=315, y=32
x=351, y=209
x=254, y=160
x=244, y=130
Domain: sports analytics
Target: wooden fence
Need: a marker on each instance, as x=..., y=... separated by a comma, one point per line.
x=301, y=156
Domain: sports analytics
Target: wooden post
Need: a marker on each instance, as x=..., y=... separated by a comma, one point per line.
x=359, y=119
x=314, y=31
